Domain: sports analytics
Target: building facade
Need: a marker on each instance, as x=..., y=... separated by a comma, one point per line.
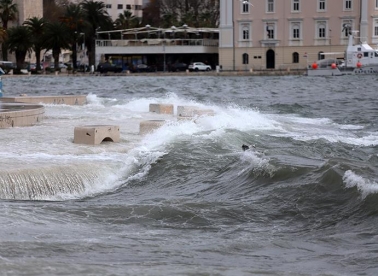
x=28, y=9
x=283, y=34
x=115, y=7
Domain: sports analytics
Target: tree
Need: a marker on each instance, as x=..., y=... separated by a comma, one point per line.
x=20, y=42
x=126, y=20
x=151, y=14
x=73, y=18
x=56, y=38
x=36, y=27
x=8, y=12
x=96, y=16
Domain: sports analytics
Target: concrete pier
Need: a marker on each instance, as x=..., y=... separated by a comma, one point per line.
x=20, y=115
x=188, y=112
x=96, y=134
x=59, y=99
x=161, y=108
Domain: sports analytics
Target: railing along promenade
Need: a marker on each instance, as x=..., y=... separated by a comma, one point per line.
x=156, y=42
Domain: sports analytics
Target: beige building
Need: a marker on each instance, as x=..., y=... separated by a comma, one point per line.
x=281, y=34
x=28, y=9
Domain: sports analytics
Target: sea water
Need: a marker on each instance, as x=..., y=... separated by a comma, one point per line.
x=186, y=199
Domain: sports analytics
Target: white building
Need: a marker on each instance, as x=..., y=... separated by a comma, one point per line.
x=115, y=7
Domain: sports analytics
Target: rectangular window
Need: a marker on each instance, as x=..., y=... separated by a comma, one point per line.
x=322, y=5
x=245, y=34
x=295, y=5
x=321, y=29
x=246, y=6
x=270, y=31
x=347, y=4
x=120, y=7
x=128, y=7
x=321, y=32
x=376, y=4
x=376, y=27
x=270, y=6
x=346, y=28
x=108, y=6
x=295, y=30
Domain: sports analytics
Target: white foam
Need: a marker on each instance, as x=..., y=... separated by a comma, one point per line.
x=364, y=186
x=50, y=143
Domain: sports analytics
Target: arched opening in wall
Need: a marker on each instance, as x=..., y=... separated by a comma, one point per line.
x=321, y=55
x=270, y=59
x=295, y=57
x=245, y=58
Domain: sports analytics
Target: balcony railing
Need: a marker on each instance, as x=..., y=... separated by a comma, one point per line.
x=156, y=42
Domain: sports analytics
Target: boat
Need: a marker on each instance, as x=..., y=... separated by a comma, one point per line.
x=358, y=59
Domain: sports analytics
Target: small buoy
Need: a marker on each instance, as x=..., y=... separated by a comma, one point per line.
x=359, y=64
x=314, y=65
x=333, y=66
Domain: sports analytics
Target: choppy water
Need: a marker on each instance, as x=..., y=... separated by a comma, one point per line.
x=186, y=200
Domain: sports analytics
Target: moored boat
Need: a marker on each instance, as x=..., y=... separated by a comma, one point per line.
x=358, y=59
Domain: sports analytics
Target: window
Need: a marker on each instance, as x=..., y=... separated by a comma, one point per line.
x=270, y=6
x=120, y=7
x=321, y=55
x=270, y=31
x=128, y=7
x=295, y=30
x=245, y=33
x=346, y=28
x=376, y=27
x=321, y=29
x=245, y=6
x=295, y=5
x=245, y=58
x=108, y=6
x=322, y=5
x=376, y=4
x=347, y=5
x=295, y=57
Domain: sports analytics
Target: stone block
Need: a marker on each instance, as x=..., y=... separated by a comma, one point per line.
x=161, y=108
x=193, y=111
x=96, y=134
x=149, y=126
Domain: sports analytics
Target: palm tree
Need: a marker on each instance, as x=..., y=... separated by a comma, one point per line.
x=96, y=16
x=74, y=19
x=20, y=42
x=8, y=12
x=126, y=20
x=56, y=38
x=37, y=28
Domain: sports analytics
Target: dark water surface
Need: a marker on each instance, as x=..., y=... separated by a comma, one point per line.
x=186, y=200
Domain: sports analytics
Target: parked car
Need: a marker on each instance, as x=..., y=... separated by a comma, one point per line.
x=109, y=67
x=33, y=67
x=199, y=66
x=7, y=66
x=143, y=68
x=61, y=66
x=179, y=66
